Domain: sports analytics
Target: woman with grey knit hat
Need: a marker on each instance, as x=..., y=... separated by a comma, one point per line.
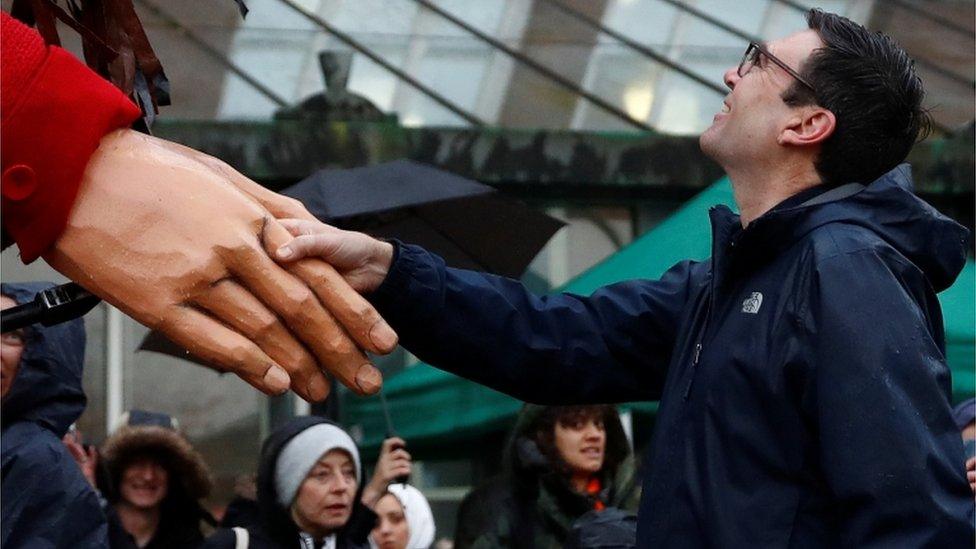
x=310, y=492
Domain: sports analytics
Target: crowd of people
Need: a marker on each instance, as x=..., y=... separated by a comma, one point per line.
x=565, y=468
x=800, y=370
x=145, y=485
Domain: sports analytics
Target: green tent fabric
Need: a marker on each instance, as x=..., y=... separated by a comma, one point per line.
x=959, y=314
x=437, y=411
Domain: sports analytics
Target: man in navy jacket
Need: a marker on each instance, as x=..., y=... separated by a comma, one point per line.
x=804, y=393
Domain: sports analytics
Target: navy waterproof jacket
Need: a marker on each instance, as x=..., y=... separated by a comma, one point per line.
x=45, y=501
x=804, y=393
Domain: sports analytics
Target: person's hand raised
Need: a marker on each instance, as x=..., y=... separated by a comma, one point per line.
x=394, y=462
x=179, y=242
x=86, y=458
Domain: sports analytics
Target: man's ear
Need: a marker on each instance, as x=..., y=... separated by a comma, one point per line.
x=810, y=126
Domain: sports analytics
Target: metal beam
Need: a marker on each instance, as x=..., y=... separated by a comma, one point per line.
x=928, y=65
x=636, y=46
x=538, y=67
x=934, y=18
x=349, y=41
x=213, y=52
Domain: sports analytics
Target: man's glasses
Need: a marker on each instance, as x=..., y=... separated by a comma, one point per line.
x=753, y=57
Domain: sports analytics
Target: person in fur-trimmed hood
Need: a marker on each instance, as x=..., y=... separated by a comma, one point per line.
x=158, y=480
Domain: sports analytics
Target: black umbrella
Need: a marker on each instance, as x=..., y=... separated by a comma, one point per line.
x=469, y=224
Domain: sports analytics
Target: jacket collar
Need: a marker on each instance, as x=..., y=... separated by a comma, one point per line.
x=887, y=207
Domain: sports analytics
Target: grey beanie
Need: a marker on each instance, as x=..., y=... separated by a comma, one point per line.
x=302, y=452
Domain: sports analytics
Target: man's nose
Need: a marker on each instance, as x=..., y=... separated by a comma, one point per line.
x=731, y=77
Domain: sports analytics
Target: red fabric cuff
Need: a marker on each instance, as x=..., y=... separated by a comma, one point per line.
x=47, y=134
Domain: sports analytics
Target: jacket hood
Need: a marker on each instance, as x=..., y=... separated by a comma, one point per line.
x=47, y=389
x=187, y=464
x=888, y=207
x=277, y=519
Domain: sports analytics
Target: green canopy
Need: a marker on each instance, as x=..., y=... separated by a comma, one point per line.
x=437, y=411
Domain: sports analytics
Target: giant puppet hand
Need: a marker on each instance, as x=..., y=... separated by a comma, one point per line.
x=181, y=243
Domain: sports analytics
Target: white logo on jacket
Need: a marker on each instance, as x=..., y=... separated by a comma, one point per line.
x=752, y=304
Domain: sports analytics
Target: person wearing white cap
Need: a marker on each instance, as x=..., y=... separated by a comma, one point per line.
x=405, y=520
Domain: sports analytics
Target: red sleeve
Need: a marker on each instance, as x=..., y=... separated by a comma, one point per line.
x=53, y=112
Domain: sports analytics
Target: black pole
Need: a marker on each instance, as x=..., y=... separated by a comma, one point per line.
x=49, y=307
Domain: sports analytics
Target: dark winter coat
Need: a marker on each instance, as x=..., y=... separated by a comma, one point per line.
x=804, y=393
x=532, y=505
x=276, y=530
x=45, y=500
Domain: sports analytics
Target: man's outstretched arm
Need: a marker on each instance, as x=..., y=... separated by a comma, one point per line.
x=613, y=346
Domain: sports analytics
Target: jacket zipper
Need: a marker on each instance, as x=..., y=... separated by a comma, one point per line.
x=708, y=311
x=694, y=369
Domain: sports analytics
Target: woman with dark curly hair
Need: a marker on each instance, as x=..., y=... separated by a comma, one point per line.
x=561, y=462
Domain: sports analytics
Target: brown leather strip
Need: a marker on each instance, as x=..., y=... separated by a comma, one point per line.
x=45, y=22
x=86, y=34
x=129, y=20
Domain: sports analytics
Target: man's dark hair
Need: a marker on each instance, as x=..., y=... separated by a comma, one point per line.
x=870, y=85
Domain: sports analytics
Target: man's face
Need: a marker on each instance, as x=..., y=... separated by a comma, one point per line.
x=11, y=349
x=325, y=498
x=754, y=114
x=144, y=484
x=581, y=444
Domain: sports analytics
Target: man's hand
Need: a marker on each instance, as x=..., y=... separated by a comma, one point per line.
x=394, y=462
x=361, y=259
x=166, y=235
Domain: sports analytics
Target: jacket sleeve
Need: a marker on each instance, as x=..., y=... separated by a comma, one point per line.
x=878, y=399
x=46, y=501
x=613, y=346
x=53, y=112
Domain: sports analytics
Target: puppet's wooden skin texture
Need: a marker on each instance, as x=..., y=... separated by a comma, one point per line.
x=181, y=242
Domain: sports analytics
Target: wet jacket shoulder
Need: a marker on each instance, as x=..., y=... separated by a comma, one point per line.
x=275, y=529
x=46, y=501
x=532, y=505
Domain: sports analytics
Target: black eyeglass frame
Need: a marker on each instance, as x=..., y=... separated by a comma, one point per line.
x=782, y=64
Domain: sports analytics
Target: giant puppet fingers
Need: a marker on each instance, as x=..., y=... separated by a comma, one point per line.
x=178, y=247
x=352, y=310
